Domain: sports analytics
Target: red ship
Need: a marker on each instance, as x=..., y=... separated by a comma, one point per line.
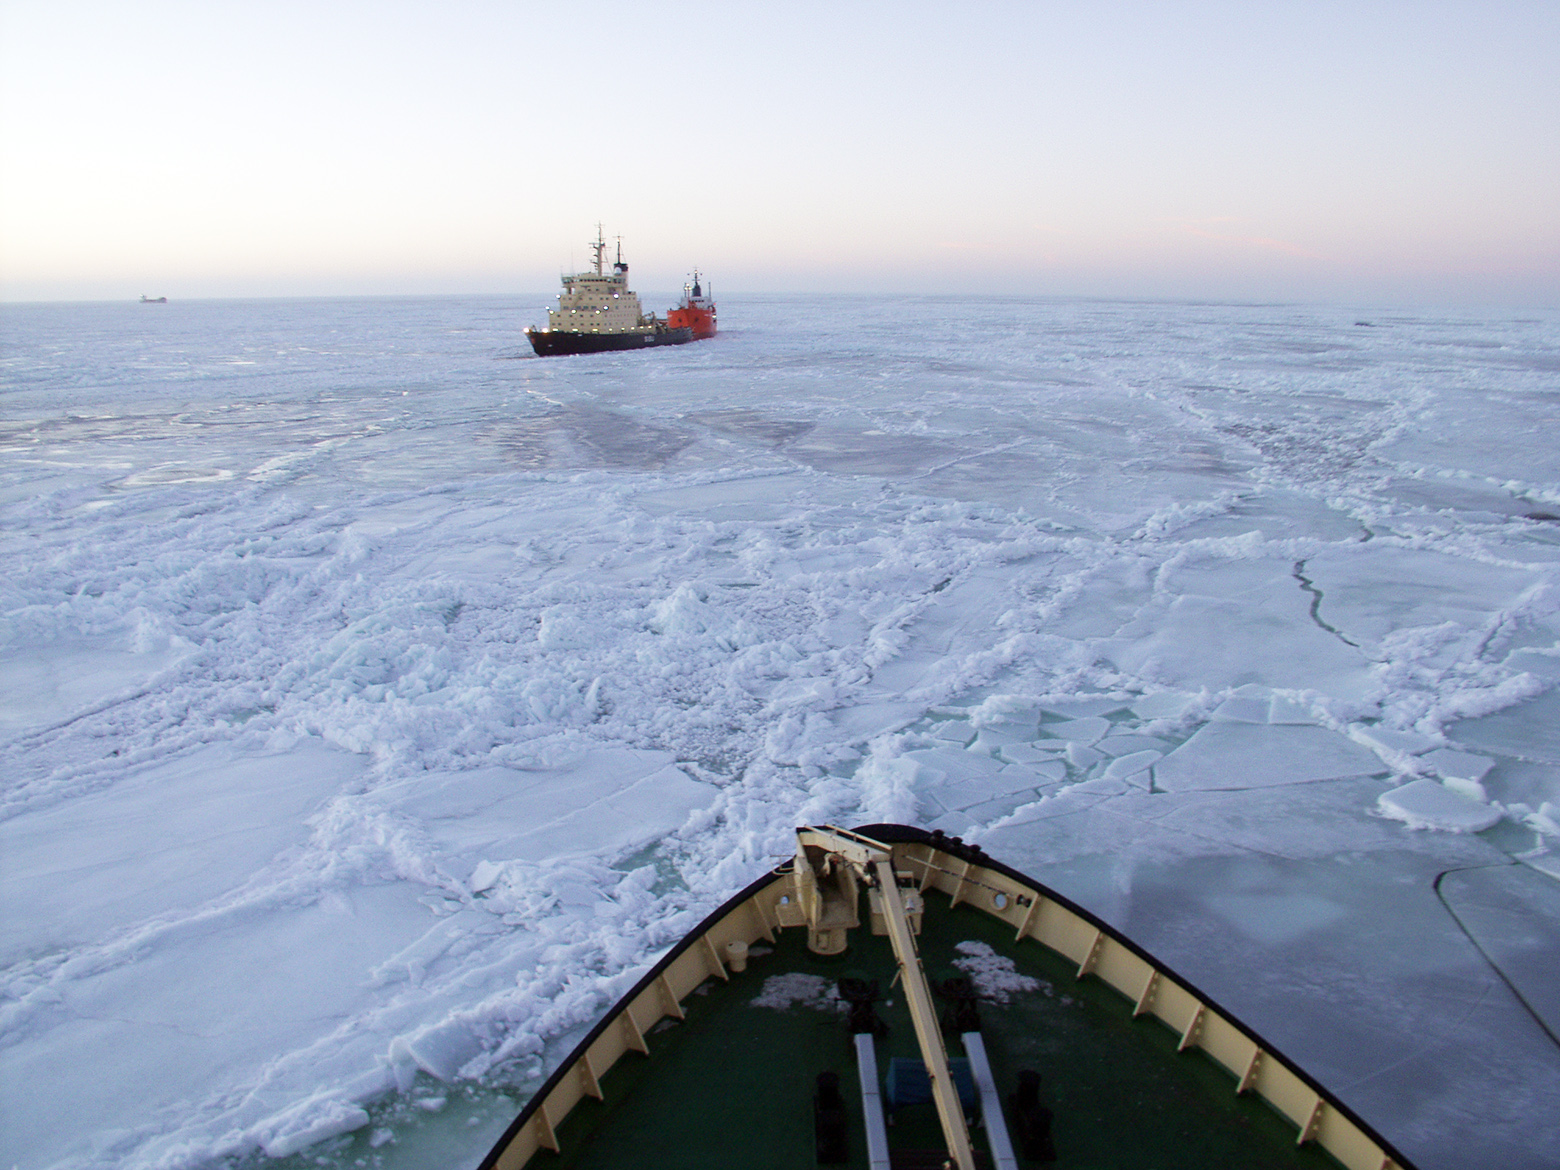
x=695, y=311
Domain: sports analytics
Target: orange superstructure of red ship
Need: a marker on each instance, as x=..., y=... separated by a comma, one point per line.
x=695, y=311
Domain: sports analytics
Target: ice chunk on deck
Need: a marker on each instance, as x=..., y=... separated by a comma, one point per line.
x=1244, y=755
x=1424, y=804
x=996, y=977
x=781, y=993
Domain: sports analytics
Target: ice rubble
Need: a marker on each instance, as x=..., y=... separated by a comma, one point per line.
x=1424, y=804
x=376, y=715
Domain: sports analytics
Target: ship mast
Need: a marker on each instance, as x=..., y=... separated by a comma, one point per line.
x=874, y=862
x=598, y=247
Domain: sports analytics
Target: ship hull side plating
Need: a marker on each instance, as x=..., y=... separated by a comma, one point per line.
x=558, y=342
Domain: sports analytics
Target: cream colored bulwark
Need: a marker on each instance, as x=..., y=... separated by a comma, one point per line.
x=786, y=901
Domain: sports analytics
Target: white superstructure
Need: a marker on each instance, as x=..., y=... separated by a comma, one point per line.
x=598, y=301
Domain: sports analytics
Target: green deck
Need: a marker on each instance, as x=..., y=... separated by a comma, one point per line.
x=732, y=1085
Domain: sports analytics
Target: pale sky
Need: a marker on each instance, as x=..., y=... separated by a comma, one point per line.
x=1319, y=151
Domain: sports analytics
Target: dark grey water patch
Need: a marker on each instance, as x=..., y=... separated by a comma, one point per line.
x=1542, y=362
x=1313, y=347
x=1209, y=388
x=1437, y=494
x=1463, y=343
x=751, y=425
x=1335, y=402
x=855, y=453
x=1307, y=453
x=582, y=436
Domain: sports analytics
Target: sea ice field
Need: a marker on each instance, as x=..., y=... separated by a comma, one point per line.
x=377, y=700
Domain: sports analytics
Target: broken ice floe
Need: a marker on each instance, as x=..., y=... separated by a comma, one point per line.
x=1389, y=739
x=1125, y=745
x=1125, y=767
x=310, y=1122
x=1086, y=731
x=187, y=667
x=1282, y=709
x=1031, y=753
x=1082, y=757
x=1242, y=755
x=951, y=779
x=1424, y=804
x=1242, y=710
x=1460, y=771
x=953, y=731
x=1164, y=705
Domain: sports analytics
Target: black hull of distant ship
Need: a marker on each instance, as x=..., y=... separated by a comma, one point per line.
x=557, y=342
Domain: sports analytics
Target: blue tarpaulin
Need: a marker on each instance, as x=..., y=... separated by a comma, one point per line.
x=908, y=1083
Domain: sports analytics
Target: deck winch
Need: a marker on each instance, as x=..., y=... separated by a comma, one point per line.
x=831, y=865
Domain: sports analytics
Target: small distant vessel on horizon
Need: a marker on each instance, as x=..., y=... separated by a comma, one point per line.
x=146, y=300
x=597, y=311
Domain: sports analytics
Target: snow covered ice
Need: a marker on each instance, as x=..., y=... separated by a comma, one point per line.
x=379, y=700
